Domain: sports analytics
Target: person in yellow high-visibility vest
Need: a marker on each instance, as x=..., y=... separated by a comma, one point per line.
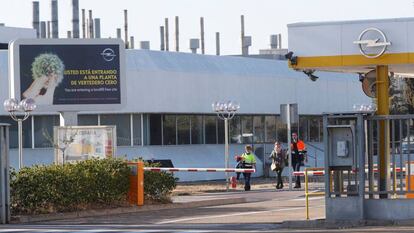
x=249, y=161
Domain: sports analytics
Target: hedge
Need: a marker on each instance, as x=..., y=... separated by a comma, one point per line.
x=74, y=186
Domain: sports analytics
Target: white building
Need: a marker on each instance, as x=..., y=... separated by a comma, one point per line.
x=168, y=113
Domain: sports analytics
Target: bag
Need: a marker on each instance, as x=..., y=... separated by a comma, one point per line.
x=273, y=166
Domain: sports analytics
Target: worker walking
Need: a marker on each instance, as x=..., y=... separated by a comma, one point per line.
x=299, y=155
x=249, y=162
x=279, y=160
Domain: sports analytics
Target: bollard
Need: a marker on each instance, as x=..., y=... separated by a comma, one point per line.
x=136, y=183
x=233, y=182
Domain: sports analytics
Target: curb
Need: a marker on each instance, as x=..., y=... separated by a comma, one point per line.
x=324, y=224
x=124, y=210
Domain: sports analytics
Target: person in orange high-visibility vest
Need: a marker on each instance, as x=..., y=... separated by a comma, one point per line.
x=298, y=149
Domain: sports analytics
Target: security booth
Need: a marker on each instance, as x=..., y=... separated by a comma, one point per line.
x=4, y=174
x=368, y=155
x=344, y=165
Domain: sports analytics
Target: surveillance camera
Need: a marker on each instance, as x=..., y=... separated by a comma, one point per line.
x=310, y=74
x=289, y=55
x=361, y=77
x=293, y=59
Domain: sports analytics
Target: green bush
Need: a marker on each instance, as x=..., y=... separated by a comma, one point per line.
x=51, y=188
x=158, y=185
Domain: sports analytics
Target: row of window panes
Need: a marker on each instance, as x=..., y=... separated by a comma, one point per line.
x=171, y=129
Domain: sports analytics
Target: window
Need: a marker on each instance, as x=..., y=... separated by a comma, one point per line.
x=247, y=129
x=136, y=123
x=270, y=122
x=196, y=129
x=87, y=119
x=183, y=129
x=13, y=132
x=220, y=131
x=123, y=127
x=169, y=130
x=43, y=130
x=235, y=130
x=281, y=130
x=155, y=130
x=314, y=127
x=304, y=128
x=210, y=129
x=258, y=126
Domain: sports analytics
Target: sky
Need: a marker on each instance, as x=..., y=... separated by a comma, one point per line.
x=262, y=17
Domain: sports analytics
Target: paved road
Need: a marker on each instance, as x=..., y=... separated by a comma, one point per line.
x=263, y=213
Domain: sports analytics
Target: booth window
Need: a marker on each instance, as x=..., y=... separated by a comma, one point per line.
x=43, y=130
x=123, y=127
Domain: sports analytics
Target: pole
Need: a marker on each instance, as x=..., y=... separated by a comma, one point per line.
x=20, y=132
x=226, y=150
x=289, y=142
x=384, y=139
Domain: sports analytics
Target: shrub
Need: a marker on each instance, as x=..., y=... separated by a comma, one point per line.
x=158, y=185
x=51, y=188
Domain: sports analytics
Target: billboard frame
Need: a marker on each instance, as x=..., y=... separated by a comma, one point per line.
x=14, y=73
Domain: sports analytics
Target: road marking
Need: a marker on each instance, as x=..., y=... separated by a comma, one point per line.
x=310, y=198
x=231, y=215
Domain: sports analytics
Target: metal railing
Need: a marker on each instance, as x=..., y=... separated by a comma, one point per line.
x=400, y=149
x=307, y=193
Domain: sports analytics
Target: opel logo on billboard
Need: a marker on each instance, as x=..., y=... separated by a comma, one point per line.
x=372, y=43
x=108, y=54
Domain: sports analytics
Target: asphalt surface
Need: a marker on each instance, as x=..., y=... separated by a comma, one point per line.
x=263, y=212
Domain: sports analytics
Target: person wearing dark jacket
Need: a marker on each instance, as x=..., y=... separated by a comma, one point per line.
x=279, y=159
x=299, y=156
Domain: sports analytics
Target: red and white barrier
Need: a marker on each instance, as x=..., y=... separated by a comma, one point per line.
x=321, y=173
x=167, y=169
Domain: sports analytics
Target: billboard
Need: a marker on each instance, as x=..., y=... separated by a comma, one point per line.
x=68, y=74
x=75, y=143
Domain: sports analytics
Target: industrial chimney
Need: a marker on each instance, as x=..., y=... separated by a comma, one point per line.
x=202, y=34
x=91, y=35
x=97, y=27
x=55, y=26
x=118, y=33
x=42, y=29
x=83, y=24
x=36, y=18
x=247, y=42
x=48, y=29
x=126, y=28
x=131, y=42
x=218, y=43
x=274, y=41
x=242, y=31
x=167, y=47
x=75, y=18
x=162, y=45
x=177, y=31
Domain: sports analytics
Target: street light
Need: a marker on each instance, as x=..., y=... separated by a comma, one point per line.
x=25, y=106
x=226, y=111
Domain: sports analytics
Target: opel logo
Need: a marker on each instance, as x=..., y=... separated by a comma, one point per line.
x=108, y=54
x=372, y=43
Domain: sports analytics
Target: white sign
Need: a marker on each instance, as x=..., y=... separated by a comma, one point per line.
x=75, y=143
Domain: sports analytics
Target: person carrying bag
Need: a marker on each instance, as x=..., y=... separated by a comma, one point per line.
x=279, y=159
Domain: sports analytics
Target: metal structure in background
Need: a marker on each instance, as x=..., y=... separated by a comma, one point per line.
x=226, y=111
x=13, y=107
x=4, y=175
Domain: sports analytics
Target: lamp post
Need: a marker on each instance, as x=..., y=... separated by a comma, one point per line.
x=13, y=107
x=226, y=111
